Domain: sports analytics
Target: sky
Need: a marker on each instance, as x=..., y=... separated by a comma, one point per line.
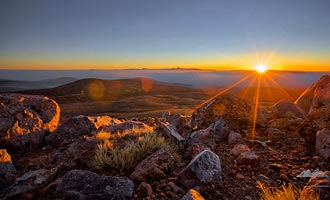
x=121, y=34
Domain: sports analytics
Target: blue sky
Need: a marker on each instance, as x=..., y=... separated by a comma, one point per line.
x=181, y=33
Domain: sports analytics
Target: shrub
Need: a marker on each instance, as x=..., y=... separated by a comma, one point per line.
x=286, y=193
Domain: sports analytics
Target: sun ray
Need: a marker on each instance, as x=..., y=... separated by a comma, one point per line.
x=256, y=105
x=280, y=87
x=228, y=88
x=248, y=87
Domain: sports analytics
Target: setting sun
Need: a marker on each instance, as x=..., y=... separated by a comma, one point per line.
x=261, y=68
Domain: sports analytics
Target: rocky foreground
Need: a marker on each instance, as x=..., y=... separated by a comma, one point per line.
x=213, y=154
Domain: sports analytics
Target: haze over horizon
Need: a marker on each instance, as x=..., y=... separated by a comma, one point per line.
x=222, y=35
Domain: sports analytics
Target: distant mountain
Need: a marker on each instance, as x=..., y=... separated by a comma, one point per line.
x=17, y=85
x=100, y=89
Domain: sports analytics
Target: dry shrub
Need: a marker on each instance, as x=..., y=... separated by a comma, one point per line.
x=286, y=193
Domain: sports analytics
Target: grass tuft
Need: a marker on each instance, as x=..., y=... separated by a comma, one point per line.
x=129, y=156
x=286, y=193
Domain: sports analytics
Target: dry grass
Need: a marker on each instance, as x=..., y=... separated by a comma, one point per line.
x=129, y=156
x=286, y=193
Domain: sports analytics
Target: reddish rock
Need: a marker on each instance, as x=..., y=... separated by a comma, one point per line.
x=204, y=168
x=238, y=149
x=322, y=146
x=154, y=167
x=144, y=190
x=248, y=158
x=25, y=119
x=239, y=176
x=274, y=134
x=197, y=148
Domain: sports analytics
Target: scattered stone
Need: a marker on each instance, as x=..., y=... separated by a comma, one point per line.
x=83, y=184
x=322, y=146
x=178, y=121
x=154, y=167
x=204, y=168
x=74, y=128
x=144, y=190
x=192, y=195
x=26, y=119
x=195, y=149
x=29, y=182
x=248, y=158
x=174, y=187
x=238, y=149
x=287, y=109
x=274, y=134
x=277, y=166
x=239, y=176
x=235, y=138
x=6, y=165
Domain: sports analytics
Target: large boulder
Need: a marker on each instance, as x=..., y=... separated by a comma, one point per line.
x=77, y=155
x=316, y=120
x=83, y=184
x=29, y=182
x=322, y=146
x=6, y=165
x=76, y=127
x=155, y=166
x=315, y=96
x=287, y=109
x=203, y=169
x=25, y=119
x=237, y=113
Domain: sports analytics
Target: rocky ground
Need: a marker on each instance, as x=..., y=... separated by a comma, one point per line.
x=214, y=154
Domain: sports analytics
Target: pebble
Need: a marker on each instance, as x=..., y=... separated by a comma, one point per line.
x=239, y=176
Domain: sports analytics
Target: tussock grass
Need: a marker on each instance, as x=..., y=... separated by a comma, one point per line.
x=288, y=192
x=101, y=158
x=129, y=156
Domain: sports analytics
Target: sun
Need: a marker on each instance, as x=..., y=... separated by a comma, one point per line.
x=261, y=68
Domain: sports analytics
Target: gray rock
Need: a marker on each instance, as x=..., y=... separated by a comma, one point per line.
x=192, y=195
x=322, y=146
x=6, y=165
x=29, y=182
x=155, y=166
x=25, y=119
x=204, y=168
x=235, y=138
x=74, y=128
x=83, y=185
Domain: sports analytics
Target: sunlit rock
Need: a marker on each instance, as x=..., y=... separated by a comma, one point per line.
x=286, y=109
x=25, y=119
x=315, y=96
x=192, y=195
x=6, y=165
x=74, y=128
